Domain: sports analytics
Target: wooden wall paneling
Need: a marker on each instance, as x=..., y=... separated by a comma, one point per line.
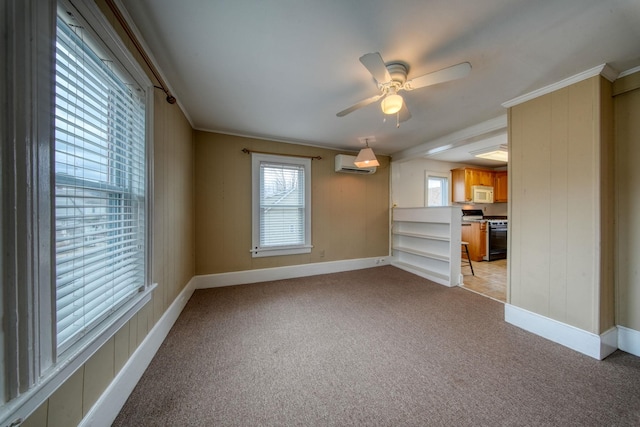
x=583, y=205
x=627, y=199
x=514, y=255
x=558, y=226
x=607, y=208
x=534, y=174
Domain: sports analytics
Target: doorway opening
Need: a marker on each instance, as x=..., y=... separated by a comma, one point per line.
x=490, y=279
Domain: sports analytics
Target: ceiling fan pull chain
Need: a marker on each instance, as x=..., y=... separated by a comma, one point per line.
x=398, y=119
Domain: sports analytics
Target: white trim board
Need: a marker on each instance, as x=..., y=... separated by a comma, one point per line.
x=604, y=70
x=288, y=272
x=629, y=340
x=106, y=409
x=596, y=346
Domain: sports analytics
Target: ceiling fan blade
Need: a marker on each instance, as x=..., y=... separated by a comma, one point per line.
x=360, y=104
x=404, y=114
x=374, y=63
x=445, y=75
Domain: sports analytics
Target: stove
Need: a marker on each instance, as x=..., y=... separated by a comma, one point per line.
x=472, y=214
x=497, y=226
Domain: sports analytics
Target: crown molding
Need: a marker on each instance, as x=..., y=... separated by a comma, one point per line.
x=603, y=70
x=629, y=72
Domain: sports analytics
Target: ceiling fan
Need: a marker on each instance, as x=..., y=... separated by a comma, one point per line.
x=392, y=78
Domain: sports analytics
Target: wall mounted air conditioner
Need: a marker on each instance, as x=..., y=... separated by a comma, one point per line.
x=344, y=164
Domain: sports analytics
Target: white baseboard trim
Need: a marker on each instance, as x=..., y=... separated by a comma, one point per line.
x=106, y=409
x=287, y=272
x=629, y=340
x=596, y=346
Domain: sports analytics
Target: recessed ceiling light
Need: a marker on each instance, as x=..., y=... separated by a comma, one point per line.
x=500, y=153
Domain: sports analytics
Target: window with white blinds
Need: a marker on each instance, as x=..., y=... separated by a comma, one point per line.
x=281, y=205
x=100, y=186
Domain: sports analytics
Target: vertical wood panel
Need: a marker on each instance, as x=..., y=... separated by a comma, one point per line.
x=627, y=140
x=558, y=225
x=514, y=288
x=98, y=373
x=65, y=404
x=556, y=230
x=583, y=230
x=209, y=202
x=534, y=207
x=607, y=208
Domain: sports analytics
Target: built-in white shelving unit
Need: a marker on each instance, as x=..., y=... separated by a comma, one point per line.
x=426, y=242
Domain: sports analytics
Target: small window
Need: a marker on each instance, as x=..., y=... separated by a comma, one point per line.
x=281, y=205
x=437, y=190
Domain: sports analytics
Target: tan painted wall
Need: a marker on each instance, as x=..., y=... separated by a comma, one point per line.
x=559, y=144
x=627, y=138
x=350, y=213
x=172, y=268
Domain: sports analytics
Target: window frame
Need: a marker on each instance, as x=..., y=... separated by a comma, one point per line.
x=98, y=149
x=444, y=177
x=257, y=250
x=32, y=366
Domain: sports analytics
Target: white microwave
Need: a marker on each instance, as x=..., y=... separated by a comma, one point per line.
x=482, y=194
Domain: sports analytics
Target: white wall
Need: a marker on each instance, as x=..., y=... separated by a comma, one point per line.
x=408, y=179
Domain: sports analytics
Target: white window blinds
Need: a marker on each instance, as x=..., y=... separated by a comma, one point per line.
x=282, y=205
x=281, y=200
x=100, y=184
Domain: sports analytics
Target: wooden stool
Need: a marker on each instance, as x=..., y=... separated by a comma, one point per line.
x=465, y=246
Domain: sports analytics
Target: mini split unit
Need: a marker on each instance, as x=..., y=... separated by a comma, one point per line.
x=345, y=164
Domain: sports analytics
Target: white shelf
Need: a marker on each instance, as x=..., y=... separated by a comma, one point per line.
x=422, y=272
x=426, y=242
x=421, y=253
x=422, y=236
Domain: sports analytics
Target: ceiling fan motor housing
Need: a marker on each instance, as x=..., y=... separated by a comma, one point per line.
x=398, y=72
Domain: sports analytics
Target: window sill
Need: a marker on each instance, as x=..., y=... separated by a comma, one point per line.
x=290, y=250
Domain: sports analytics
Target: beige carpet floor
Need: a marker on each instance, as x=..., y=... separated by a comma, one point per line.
x=377, y=347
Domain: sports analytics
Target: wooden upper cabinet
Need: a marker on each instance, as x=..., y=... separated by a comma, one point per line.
x=483, y=177
x=465, y=178
x=461, y=185
x=501, y=188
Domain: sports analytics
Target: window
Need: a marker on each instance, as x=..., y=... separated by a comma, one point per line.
x=74, y=194
x=436, y=189
x=281, y=190
x=100, y=185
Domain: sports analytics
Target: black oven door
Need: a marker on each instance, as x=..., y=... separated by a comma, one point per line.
x=497, y=242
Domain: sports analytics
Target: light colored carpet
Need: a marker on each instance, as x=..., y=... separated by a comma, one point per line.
x=371, y=347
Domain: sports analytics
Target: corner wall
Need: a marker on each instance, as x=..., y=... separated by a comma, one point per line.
x=350, y=213
x=627, y=141
x=559, y=220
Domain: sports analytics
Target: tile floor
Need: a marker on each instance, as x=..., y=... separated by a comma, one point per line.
x=490, y=278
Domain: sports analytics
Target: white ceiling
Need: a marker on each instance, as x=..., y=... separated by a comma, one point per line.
x=282, y=69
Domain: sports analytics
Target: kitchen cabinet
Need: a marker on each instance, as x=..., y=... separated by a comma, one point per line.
x=482, y=177
x=463, y=179
x=501, y=187
x=461, y=185
x=475, y=233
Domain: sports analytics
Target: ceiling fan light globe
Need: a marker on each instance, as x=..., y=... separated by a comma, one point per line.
x=391, y=104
